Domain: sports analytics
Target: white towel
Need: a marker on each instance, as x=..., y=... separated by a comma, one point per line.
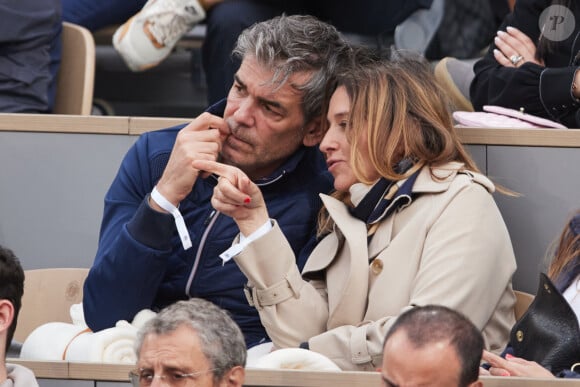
x=77, y=315
x=257, y=352
x=112, y=345
x=296, y=359
x=75, y=342
x=49, y=341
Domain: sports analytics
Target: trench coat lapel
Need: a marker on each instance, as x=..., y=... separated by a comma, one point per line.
x=347, y=277
x=382, y=237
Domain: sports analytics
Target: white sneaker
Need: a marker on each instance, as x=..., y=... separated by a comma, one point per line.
x=149, y=36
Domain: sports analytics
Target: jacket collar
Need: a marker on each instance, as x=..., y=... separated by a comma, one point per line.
x=435, y=180
x=428, y=180
x=288, y=166
x=217, y=108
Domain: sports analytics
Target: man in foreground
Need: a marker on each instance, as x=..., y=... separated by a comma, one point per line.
x=432, y=345
x=190, y=343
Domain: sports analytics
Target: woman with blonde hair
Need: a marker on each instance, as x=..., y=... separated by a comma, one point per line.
x=412, y=222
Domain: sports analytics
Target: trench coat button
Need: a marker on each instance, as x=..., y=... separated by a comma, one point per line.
x=377, y=266
x=520, y=336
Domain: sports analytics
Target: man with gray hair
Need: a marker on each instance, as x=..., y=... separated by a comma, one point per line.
x=160, y=238
x=188, y=341
x=432, y=345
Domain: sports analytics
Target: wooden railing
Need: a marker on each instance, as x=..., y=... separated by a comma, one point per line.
x=138, y=125
x=65, y=371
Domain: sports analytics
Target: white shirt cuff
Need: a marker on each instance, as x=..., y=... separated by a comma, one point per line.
x=244, y=241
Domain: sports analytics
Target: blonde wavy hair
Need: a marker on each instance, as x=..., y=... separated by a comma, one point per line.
x=403, y=113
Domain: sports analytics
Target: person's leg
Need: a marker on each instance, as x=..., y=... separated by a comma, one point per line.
x=366, y=17
x=55, y=52
x=96, y=14
x=224, y=22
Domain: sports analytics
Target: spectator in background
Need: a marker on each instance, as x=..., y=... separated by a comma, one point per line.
x=11, y=290
x=269, y=127
x=467, y=28
x=530, y=70
x=154, y=27
x=190, y=340
x=225, y=21
x=413, y=222
x=30, y=48
x=546, y=340
x=432, y=345
x=94, y=15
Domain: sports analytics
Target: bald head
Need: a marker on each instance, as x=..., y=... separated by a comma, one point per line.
x=426, y=343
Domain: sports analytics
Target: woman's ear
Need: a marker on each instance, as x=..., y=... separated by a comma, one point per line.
x=313, y=132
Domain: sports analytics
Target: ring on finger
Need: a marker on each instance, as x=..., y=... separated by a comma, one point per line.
x=515, y=59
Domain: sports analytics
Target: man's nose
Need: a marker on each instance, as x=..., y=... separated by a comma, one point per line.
x=159, y=381
x=244, y=113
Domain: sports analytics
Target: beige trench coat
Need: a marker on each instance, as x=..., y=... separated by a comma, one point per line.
x=450, y=246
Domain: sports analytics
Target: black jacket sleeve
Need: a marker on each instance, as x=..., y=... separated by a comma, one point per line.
x=542, y=91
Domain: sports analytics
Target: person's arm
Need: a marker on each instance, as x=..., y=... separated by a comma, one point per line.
x=275, y=285
x=134, y=244
x=527, y=84
x=291, y=309
x=136, y=234
x=511, y=87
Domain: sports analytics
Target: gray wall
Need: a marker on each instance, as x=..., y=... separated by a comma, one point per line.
x=52, y=188
x=51, y=194
x=549, y=184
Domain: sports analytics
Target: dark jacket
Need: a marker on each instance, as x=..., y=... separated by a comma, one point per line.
x=140, y=262
x=542, y=91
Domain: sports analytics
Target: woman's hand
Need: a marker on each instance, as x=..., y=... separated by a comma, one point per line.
x=514, y=48
x=236, y=196
x=514, y=366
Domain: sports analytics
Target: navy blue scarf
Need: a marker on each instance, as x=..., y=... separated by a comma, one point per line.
x=386, y=196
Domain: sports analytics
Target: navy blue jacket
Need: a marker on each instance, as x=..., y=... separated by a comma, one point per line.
x=140, y=262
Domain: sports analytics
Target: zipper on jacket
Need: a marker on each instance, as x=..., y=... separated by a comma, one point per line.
x=210, y=221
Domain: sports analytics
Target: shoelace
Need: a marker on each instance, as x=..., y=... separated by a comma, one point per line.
x=168, y=24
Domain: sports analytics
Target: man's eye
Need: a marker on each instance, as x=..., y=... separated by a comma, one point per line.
x=146, y=375
x=270, y=109
x=239, y=88
x=179, y=376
